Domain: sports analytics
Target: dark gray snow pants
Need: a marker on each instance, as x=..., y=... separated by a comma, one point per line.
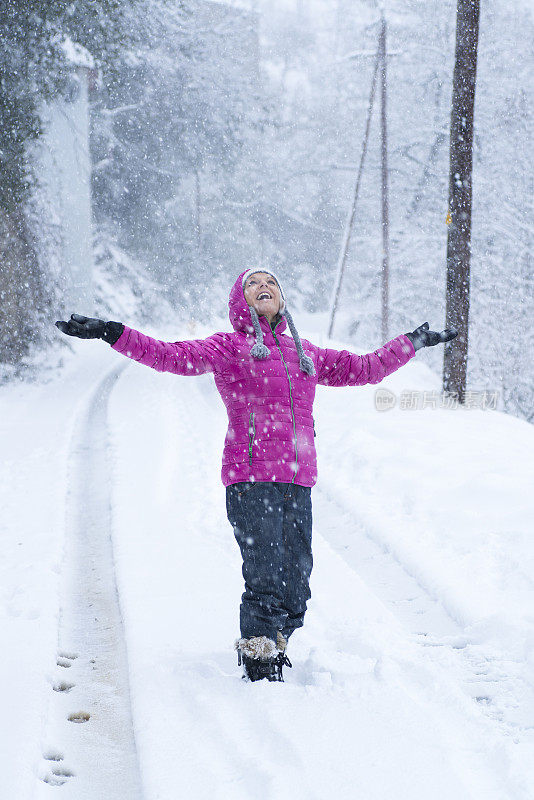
x=272, y=524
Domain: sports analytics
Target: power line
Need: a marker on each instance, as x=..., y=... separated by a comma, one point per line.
x=342, y=260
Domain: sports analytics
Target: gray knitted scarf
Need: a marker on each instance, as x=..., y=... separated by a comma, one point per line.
x=260, y=350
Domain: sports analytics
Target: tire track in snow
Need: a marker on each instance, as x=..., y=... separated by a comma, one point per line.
x=490, y=677
x=96, y=757
x=391, y=580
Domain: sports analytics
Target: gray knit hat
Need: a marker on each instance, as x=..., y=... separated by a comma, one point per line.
x=260, y=350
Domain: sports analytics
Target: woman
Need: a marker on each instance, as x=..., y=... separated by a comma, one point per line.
x=267, y=381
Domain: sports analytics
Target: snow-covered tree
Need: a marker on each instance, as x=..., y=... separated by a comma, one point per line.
x=35, y=67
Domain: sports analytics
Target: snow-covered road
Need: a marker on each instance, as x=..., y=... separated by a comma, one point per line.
x=412, y=675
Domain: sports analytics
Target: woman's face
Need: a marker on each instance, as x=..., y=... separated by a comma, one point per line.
x=261, y=291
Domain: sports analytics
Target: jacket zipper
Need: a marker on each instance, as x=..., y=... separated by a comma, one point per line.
x=290, y=402
x=251, y=435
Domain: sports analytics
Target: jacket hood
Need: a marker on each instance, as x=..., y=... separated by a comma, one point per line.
x=239, y=311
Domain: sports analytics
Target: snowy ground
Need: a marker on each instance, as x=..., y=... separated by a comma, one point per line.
x=412, y=676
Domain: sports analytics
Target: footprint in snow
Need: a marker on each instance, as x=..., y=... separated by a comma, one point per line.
x=65, y=659
x=59, y=773
x=53, y=755
x=63, y=686
x=58, y=776
x=79, y=716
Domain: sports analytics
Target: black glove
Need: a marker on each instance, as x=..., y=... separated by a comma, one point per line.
x=422, y=337
x=88, y=328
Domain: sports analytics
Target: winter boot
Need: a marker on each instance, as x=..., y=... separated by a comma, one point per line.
x=261, y=658
x=255, y=669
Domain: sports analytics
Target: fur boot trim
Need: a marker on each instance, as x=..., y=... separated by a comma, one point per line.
x=257, y=647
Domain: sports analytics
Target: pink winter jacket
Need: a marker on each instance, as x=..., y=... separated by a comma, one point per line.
x=270, y=433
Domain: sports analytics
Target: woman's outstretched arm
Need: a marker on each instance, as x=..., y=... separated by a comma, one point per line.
x=193, y=357
x=343, y=368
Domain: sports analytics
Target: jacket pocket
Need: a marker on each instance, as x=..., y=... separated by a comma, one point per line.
x=251, y=434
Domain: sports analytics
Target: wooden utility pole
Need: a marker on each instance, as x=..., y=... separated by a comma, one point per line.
x=460, y=196
x=384, y=169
